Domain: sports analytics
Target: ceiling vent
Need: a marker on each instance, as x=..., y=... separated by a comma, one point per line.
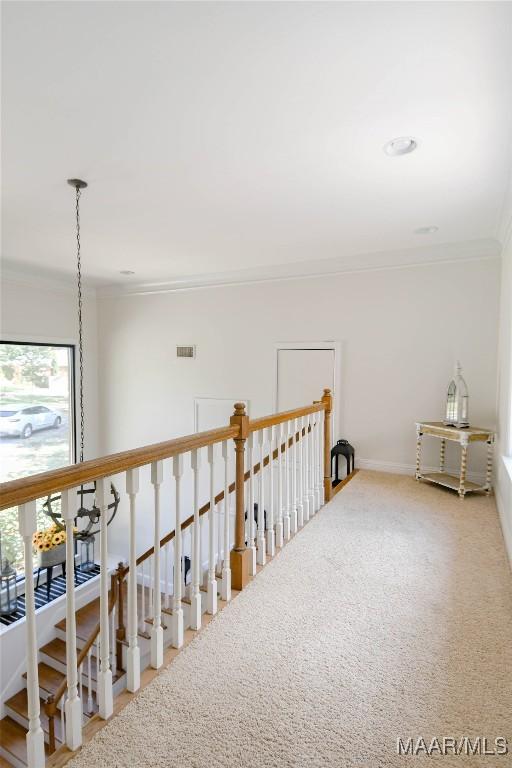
x=185, y=351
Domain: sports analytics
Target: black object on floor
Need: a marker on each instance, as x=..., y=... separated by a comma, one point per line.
x=342, y=448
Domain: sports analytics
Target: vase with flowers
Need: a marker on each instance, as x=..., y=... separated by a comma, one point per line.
x=50, y=546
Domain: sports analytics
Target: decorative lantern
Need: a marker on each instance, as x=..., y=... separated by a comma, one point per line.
x=8, y=589
x=87, y=563
x=457, y=397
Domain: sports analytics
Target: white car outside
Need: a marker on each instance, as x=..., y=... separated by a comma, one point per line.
x=24, y=418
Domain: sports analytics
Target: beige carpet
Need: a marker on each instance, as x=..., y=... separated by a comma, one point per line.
x=389, y=615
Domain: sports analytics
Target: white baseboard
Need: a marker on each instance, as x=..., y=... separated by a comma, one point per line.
x=505, y=520
x=410, y=469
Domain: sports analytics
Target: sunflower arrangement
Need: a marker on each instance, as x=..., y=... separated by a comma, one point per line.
x=48, y=539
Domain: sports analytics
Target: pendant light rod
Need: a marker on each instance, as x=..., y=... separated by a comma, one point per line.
x=79, y=184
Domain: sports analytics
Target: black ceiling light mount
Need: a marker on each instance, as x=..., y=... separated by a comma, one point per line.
x=51, y=506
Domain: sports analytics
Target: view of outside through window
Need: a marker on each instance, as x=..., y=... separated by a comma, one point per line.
x=36, y=423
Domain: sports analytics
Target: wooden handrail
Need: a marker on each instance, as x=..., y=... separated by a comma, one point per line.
x=278, y=418
x=25, y=489
x=33, y=487
x=51, y=703
x=218, y=498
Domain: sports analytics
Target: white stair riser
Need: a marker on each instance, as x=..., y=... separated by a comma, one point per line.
x=23, y=721
x=62, y=668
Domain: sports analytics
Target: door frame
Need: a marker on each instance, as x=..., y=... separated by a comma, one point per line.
x=335, y=346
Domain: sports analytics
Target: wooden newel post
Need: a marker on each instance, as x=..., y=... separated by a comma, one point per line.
x=327, y=399
x=240, y=555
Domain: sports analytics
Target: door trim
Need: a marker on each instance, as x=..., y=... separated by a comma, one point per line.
x=335, y=346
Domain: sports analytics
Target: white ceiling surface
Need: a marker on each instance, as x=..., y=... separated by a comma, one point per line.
x=222, y=137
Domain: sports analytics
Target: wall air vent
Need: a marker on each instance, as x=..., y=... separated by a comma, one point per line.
x=185, y=351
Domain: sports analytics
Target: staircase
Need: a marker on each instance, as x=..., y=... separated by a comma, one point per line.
x=111, y=640
x=52, y=674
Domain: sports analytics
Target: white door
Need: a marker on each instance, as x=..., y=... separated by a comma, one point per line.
x=302, y=376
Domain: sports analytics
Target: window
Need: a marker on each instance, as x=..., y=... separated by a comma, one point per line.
x=37, y=422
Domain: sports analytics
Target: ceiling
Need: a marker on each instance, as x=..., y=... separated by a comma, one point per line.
x=223, y=137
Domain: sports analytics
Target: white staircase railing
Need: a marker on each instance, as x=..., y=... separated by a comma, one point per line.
x=288, y=483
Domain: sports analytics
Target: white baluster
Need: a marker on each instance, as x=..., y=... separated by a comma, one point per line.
x=271, y=537
x=183, y=564
x=177, y=610
x=293, y=480
x=287, y=526
x=279, y=521
x=226, y=567
x=298, y=473
x=151, y=569
x=113, y=638
x=157, y=633
x=261, y=553
x=133, y=652
x=63, y=714
x=97, y=667
x=202, y=574
x=250, y=513
x=73, y=703
x=318, y=479
x=81, y=691
x=105, y=697
x=220, y=537
x=311, y=476
x=190, y=551
x=89, y=679
x=211, y=587
x=303, y=469
x=321, y=457
x=166, y=575
x=143, y=600
x=195, y=600
x=35, y=736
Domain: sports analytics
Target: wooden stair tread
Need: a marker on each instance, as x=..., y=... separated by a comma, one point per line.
x=87, y=618
x=150, y=621
x=13, y=739
x=19, y=704
x=49, y=678
x=56, y=649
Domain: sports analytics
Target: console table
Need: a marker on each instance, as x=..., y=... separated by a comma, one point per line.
x=463, y=436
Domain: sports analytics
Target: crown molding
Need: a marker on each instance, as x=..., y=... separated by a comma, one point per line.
x=57, y=282
x=474, y=250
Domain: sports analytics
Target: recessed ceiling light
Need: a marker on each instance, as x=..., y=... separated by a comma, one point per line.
x=126, y=272
x=425, y=230
x=401, y=146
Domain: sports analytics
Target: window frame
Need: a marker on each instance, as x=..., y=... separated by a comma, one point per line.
x=71, y=346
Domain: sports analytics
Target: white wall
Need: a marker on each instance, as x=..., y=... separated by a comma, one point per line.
x=36, y=311
x=503, y=463
x=400, y=329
